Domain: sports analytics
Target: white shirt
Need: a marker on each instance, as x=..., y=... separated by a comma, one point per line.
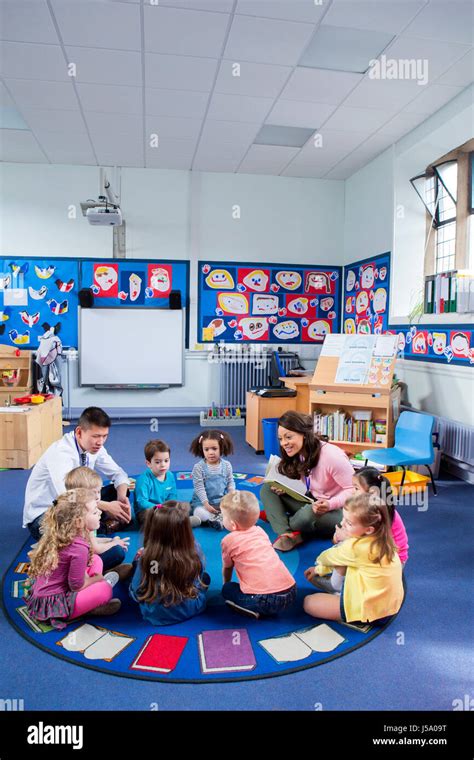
x=46, y=481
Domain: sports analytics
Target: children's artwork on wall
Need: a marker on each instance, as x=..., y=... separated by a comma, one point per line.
x=366, y=295
x=135, y=282
x=271, y=304
x=445, y=344
x=36, y=294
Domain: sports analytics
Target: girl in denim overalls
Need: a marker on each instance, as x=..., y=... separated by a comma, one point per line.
x=212, y=476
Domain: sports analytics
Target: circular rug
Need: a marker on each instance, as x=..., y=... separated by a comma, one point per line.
x=218, y=645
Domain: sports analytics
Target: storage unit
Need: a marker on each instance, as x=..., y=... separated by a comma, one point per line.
x=381, y=402
x=302, y=387
x=12, y=358
x=25, y=434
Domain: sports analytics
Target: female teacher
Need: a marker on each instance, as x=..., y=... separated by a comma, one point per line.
x=327, y=473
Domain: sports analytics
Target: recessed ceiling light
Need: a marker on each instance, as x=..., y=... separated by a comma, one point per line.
x=292, y=137
x=341, y=49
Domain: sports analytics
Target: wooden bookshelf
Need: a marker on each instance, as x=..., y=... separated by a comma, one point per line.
x=14, y=358
x=383, y=401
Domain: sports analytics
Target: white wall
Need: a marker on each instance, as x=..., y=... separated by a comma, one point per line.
x=383, y=212
x=173, y=215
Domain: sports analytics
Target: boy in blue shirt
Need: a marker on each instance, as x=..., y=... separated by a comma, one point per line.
x=157, y=484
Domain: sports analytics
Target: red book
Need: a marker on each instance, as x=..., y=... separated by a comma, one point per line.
x=160, y=653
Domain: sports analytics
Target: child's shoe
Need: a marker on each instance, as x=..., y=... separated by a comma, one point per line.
x=112, y=578
x=195, y=521
x=111, y=608
x=242, y=610
x=323, y=584
x=216, y=522
x=124, y=571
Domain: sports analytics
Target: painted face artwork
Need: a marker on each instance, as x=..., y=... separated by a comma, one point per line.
x=350, y=305
x=439, y=343
x=135, y=286
x=460, y=344
x=349, y=327
x=160, y=279
x=105, y=277
x=256, y=280
x=218, y=325
x=288, y=280
x=253, y=328
x=362, y=302
x=298, y=306
x=379, y=303
x=382, y=273
x=233, y=303
x=350, y=280
x=326, y=303
x=319, y=329
x=401, y=341
x=368, y=276
x=419, y=343
x=318, y=281
x=220, y=279
x=363, y=327
x=265, y=304
x=287, y=330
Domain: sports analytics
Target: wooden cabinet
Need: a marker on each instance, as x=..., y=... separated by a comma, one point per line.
x=259, y=408
x=12, y=358
x=302, y=387
x=26, y=434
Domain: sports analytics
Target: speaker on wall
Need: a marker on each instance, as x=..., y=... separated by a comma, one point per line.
x=86, y=298
x=175, y=299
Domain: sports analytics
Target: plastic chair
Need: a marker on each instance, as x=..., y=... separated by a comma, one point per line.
x=413, y=445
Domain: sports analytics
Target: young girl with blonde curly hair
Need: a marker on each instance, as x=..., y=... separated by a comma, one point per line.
x=66, y=574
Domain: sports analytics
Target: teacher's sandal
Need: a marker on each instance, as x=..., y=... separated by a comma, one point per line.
x=287, y=541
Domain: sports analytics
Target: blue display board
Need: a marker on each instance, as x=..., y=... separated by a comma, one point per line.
x=365, y=304
x=35, y=292
x=267, y=303
x=443, y=344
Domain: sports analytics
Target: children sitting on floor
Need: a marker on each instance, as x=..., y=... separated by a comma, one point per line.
x=372, y=591
x=67, y=575
x=212, y=476
x=169, y=582
x=265, y=585
x=111, y=550
x=157, y=484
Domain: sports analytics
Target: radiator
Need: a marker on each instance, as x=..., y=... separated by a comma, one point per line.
x=239, y=372
x=456, y=440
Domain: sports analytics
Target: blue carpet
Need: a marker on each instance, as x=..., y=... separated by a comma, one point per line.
x=217, y=616
x=421, y=662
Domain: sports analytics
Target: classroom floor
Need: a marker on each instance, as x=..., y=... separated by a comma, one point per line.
x=422, y=662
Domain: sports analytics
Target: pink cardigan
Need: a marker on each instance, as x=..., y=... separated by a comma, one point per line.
x=400, y=537
x=332, y=477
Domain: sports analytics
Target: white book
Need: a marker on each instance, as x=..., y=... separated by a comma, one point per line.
x=301, y=644
x=294, y=488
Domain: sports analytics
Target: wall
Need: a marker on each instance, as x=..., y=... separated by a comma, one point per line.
x=173, y=214
x=383, y=212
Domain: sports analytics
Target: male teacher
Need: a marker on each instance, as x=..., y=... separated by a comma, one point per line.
x=84, y=446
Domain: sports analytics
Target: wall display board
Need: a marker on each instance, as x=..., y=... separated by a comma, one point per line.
x=365, y=305
x=270, y=303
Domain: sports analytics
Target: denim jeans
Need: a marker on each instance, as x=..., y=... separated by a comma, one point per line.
x=265, y=604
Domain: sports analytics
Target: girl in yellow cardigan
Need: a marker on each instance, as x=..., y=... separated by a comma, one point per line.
x=373, y=588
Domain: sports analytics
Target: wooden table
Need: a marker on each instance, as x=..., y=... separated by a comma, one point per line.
x=259, y=408
x=302, y=387
x=25, y=435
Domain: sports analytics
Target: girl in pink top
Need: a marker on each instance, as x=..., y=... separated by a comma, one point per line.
x=265, y=585
x=327, y=473
x=67, y=576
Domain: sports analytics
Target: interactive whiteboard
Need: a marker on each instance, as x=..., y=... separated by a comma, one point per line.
x=131, y=347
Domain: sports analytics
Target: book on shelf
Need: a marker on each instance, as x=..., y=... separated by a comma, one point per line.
x=341, y=426
x=449, y=293
x=294, y=488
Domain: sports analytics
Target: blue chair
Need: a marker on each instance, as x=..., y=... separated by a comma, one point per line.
x=413, y=445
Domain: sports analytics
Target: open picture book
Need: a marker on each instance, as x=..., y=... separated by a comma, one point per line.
x=294, y=488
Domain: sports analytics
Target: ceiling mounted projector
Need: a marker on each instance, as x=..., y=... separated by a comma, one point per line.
x=104, y=215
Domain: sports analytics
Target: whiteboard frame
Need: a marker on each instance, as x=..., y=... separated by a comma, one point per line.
x=131, y=386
